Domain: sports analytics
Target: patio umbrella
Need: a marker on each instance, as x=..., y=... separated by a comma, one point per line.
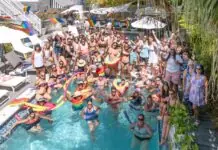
x=7, y=35
x=73, y=8
x=78, y=12
x=148, y=23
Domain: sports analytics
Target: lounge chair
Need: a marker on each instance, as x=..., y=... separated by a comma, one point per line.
x=18, y=66
x=3, y=96
x=13, y=82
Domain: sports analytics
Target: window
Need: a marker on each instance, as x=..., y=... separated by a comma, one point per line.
x=26, y=42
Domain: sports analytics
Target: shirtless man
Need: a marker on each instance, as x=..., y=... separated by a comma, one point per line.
x=114, y=99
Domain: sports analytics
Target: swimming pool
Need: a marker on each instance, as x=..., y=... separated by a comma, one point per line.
x=70, y=132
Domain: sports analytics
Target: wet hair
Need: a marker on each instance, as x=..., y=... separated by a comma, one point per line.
x=30, y=111
x=89, y=100
x=141, y=115
x=113, y=88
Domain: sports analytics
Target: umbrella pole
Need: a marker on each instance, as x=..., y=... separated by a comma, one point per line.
x=138, y=7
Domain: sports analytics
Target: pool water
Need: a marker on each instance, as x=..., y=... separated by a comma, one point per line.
x=70, y=132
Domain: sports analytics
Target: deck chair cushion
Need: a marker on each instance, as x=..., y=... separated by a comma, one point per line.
x=13, y=59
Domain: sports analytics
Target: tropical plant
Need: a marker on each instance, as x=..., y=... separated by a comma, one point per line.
x=200, y=18
x=180, y=119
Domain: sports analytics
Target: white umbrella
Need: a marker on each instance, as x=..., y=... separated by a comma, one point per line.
x=7, y=35
x=73, y=8
x=78, y=12
x=148, y=23
x=99, y=11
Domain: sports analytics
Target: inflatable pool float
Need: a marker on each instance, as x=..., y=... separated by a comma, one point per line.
x=85, y=93
x=121, y=89
x=19, y=101
x=112, y=63
x=77, y=104
x=101, y=71
x=38, y=108
x=91, y=80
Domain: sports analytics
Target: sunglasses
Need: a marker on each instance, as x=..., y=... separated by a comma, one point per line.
x=141, y=119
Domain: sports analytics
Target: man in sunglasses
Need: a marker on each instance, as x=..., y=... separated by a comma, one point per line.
x=141, y=133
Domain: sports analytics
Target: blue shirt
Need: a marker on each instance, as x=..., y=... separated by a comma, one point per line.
x=133, y=57
x=144, y=52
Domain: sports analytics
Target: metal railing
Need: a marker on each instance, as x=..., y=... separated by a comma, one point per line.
x=14, y=9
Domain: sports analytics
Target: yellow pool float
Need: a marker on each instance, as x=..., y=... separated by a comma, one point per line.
x=121, y=88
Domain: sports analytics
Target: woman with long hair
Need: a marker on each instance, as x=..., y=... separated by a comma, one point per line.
x=172, y=74
x=198, y=90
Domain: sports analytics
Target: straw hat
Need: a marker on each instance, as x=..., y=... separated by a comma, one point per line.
x=81, y=63
x=76, y=94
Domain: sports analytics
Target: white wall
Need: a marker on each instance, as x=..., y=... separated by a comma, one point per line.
x=44, y=4
x=37, y=4
x=68, y=2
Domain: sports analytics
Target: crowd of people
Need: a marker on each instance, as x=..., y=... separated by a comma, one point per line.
x=101, y=58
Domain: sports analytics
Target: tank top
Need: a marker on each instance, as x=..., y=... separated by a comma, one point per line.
x=47, y=54
x=90, y=114
x=38, y=59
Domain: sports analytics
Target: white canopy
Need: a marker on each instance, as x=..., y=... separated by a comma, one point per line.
x=7, y=35
x=73, y=8
x=103, y=11
x=73, y=30
x=148, y=23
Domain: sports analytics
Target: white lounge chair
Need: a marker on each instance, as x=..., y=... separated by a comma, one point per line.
x=13, y=82
x=4, y=96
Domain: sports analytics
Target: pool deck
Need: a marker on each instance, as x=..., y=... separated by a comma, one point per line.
x=206, y=134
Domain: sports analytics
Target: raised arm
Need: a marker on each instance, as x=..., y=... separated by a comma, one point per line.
x=45, y=117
